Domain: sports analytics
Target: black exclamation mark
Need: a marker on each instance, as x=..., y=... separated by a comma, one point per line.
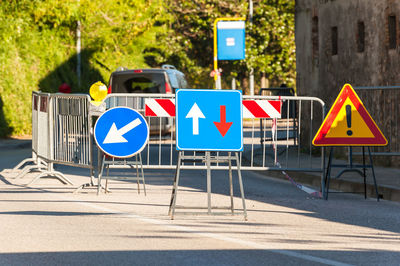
x=348, y=117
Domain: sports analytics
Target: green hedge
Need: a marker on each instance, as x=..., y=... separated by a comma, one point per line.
x=38, y=50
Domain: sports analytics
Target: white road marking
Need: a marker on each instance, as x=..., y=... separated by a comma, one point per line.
x=181, y=228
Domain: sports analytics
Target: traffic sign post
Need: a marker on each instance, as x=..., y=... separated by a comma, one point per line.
x=121, y=132
x=348, y=123
x=209, y=120
x=229, y=43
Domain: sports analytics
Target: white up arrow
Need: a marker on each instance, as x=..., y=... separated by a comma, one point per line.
x=195, y=113
x=114, y=135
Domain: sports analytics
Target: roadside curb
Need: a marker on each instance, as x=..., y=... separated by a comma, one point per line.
x=340, y=185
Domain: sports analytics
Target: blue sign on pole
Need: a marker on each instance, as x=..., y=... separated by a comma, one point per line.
x=231, y=40
x=121, y=132
x=209, y=120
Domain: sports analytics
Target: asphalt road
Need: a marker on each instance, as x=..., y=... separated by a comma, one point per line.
x=47, y=224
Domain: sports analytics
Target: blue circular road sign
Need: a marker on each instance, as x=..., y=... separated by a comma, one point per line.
x=121, y=132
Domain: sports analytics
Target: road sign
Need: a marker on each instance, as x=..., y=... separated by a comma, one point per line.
x=231, y=40
x=121, y=132
x=348, y=123
x=209, y=120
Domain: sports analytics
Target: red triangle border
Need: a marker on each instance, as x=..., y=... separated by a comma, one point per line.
x=348, y=92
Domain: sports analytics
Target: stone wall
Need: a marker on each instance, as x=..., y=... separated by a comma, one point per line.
x=374, y=62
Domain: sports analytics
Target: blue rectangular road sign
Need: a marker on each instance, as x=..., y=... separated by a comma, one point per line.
x=231, y=40
x=209, y=120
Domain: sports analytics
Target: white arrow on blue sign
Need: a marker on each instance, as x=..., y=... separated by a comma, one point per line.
x=209, y=120
x=121, y=132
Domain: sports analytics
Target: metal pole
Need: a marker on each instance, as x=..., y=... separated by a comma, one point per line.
x=78, y=51
x=208, y=162
x=251, y=69
x=217, y=77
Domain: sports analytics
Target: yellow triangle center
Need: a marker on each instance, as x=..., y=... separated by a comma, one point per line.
x=349, y=124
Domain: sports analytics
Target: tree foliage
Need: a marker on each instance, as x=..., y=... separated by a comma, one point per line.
x=38, y=50
x=270, y=44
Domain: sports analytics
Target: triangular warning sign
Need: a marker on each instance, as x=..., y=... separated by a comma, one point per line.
x=348, y=123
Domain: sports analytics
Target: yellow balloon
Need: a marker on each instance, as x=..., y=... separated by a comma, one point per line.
x=98, y=91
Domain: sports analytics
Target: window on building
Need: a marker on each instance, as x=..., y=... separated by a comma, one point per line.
x=392, y=32
x=334, y=39
x=314, y=36
x=360, y=36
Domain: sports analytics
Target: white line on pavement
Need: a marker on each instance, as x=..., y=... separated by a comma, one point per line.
x=208, y=235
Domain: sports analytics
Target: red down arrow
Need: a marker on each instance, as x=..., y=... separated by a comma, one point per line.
x=223, y=126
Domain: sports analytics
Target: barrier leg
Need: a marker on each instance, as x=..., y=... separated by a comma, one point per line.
x=51, y=173
x=27, y=160
x=29, y=168
x=37, y=164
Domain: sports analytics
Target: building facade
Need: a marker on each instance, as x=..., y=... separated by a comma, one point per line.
x=356, y=42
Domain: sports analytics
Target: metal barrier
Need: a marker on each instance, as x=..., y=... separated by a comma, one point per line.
x=383, y=105
x=62, y=123
x=34, y=163
x=70, y=139
x=61, y=128
x=292, y=133
x=292, y=153
x=289, y=112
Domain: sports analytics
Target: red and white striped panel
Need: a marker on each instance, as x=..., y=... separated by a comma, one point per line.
x=261, y=109
x=251, y=108
x=160, y=107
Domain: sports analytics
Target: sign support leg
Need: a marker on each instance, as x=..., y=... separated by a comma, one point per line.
x=141, y=168
x=137, y=174
x=208, y=162
x=230, y=181
x=172, y=204
x=100, y=173
x=352, y=168
x=328, y=173
x=373, y=173
x=241, y=186
x=364, y=174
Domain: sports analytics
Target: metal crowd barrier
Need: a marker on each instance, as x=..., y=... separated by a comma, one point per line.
x=292, y=148
x=62, y=124
x=61, y=134
x=34, y=163
x=383, y=105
